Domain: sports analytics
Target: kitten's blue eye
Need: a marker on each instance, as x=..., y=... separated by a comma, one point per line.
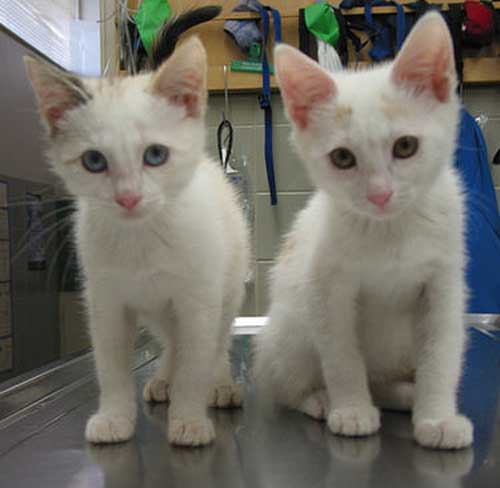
x=94, y=161
x=155, y=155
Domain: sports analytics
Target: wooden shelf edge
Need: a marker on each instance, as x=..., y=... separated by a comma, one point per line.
x=381, y=10
x=476, y=71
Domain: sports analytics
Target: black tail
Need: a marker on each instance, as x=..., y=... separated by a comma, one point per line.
x=169, y=34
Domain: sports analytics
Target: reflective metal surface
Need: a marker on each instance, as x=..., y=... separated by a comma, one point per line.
x=46, y=448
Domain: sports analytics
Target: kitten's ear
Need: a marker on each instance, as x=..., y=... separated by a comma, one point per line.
x=303, y=83
x=56, y=91
x=182, y=78
x=426, y=62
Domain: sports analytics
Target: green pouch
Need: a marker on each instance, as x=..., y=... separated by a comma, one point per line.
x=150, y=17
x=321, y=21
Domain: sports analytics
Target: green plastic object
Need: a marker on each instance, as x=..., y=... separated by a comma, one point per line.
x=150, y=17
x=321, y=21
x=253, y=64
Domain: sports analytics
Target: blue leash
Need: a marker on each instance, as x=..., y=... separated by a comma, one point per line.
x=382, y=47
x=265, y=97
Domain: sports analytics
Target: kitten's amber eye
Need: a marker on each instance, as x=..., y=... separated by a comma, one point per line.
x=342, y=158
x=155, y=155
x=94, y=161
x=405, y=147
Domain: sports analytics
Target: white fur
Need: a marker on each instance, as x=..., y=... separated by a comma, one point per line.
x=176, y=265
x=365, y=304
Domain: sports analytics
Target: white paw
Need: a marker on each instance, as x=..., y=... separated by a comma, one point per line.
x=191, y=432
x=354, y=421
x=225, y=396
x=316, y=405
x=449, y=433
x=109, y=427
x=156, y=390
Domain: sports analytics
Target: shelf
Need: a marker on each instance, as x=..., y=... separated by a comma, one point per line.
x=222, y=50
x=476, y=71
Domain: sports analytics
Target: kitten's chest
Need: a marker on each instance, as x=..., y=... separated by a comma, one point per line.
x=137, y=252
x=393, y=265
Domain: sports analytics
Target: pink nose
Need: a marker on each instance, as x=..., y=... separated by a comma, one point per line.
x=128, y=200
x=380, y=199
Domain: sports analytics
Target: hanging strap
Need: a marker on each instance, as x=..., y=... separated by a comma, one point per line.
x=382, y=48
x=265, y=97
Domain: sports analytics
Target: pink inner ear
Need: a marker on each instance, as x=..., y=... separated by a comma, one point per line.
x=440, y=80
x=299, y=115
x=303, y=95
x=53, y=115
x=55, y=112
x=189, y=100
x=426, y=62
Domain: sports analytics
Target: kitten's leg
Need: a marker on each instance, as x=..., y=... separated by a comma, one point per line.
x=287, y=368
x=394, y=395
x=113, y=333
x=225, y=393
x=196, y=347
x=440, y=344
x=316, y=405
x=157, y=387
x=352, y=412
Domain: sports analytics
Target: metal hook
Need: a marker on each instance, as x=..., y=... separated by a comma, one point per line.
x=225, y=113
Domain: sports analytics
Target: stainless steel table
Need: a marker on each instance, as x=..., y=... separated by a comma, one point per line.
x=42, y=445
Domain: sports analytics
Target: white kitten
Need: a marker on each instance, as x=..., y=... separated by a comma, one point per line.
x=368, y=293
x=159, y=233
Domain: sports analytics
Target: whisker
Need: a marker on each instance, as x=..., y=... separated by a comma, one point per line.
x=55, y=227
x=160, y=237
x=55, y=257
x=39, y=193
x=42, y=202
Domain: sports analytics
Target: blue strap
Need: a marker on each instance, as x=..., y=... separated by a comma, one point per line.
x=265, y=97
x=382, y=47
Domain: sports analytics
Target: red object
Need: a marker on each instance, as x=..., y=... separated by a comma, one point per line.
x=479, y=25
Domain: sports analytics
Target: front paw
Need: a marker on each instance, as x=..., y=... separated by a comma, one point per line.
x=109, y=427
x=355, y=421
x=454, y=432
x=190, y=431
x=225, y=396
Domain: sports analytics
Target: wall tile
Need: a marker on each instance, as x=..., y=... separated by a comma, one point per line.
x=484, y=100
x=249, y=304
x=262, y=282
x=242, y=109
x=273, y=222
x=290, y=172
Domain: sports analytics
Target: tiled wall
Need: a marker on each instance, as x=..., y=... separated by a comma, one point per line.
x=34, y=294
x=294, y=188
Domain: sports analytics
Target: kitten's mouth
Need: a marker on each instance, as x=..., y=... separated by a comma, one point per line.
x=387, y=212
x=380, y=213
x=134, y=214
